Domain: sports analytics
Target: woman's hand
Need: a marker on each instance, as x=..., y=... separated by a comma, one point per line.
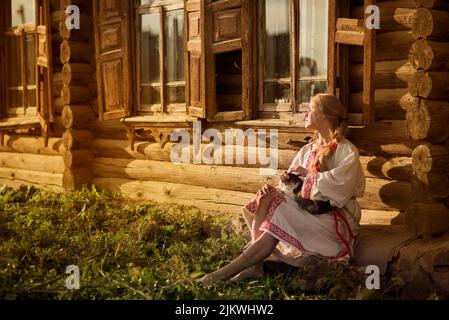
x=267, y=190
x=300, y=170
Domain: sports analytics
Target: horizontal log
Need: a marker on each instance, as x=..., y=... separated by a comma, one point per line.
x=428, y=119
x=58, y=104
x=430, y=158
x=82, y=34
x=82, y=4
x=385, y=50
x=380, y=217
x=76, y=73
x=77, y=139
x=389, y=75
x=76, y=179
x=16, y=184
x=437, y=4
x=429, y=55
x=390, y=104
x=78, y=158
x=32, y=145
x=395, y=15
x=78, y=117
x=427, y=219
x=380, y=194
x=398, y=168
x=76, y=94
x=109, y=129
x=33, y=162
x=431, y=24
x=355, y=38
x=209, y=199
x=430, y=187
x=75, y=52
x=433, y=85
x=383, y=138
x=28, y=176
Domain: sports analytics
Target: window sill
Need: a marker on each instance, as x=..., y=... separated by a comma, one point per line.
x=281, y=124
x=19, y=123
x=159, y=121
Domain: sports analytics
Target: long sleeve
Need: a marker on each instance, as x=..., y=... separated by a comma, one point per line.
x=345, y=181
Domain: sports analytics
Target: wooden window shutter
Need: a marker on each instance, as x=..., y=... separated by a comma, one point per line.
x=3, y=19
x=112, y=34
x=345, y=32
x=195, y=58
x=44, y=66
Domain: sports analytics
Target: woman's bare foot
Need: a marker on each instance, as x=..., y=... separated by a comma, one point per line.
x=255, y=272
x=213, y=277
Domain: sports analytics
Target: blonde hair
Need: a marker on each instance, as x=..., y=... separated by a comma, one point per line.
x=329, y=106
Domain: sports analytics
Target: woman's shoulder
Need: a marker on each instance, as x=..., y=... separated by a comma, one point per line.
x=307, y=147
x=346, y=146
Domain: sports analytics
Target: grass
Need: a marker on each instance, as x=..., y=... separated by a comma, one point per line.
x=134, y=250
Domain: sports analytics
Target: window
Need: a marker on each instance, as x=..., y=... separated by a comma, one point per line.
x=19, y=65
x=160, y=56
x=293, y=52
x=26, y=72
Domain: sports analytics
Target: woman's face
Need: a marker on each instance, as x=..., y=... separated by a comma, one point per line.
x=312, y=118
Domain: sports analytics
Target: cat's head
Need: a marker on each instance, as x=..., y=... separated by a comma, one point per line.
x=290, y=182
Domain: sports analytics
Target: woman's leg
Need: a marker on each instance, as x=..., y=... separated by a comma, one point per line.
x=258, y=251
x=259, y=218
x=256, y=271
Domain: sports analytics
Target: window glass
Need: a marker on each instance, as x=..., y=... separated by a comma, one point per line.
x=277, y=51
x=174, y=33
x=313, y=53
x=22, y=12
x=149, y=59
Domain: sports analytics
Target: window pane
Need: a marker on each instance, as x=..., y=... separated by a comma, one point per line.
x=174, y=32
x=313, y=54
x=150, y=95
x=149, y=59
x=309, y=88
x=22, y=12
x=277, y=93
x=31, y=69
x=277, y=47
x=14, y=73
x=145, y=2
x=176, y=94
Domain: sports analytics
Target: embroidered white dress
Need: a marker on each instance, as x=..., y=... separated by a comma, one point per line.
x=329, y=235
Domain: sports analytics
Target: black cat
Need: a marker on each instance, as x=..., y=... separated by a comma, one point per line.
x=291, y=185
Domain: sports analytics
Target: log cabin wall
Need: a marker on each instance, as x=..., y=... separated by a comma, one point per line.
x=77, y=54
x=88, y=150
x=386, y=149
x=25, y=158
x=427, y=120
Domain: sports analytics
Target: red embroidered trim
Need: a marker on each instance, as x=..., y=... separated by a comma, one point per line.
x=254, y=204
x=310, y=181
x=268, y=226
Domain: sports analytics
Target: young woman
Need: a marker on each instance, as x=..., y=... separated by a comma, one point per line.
x=332, y=171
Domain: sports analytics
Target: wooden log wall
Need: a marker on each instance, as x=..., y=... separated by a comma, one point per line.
x=24, y=157
x=76, y=54
x=427, y=120
x=385, y=146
